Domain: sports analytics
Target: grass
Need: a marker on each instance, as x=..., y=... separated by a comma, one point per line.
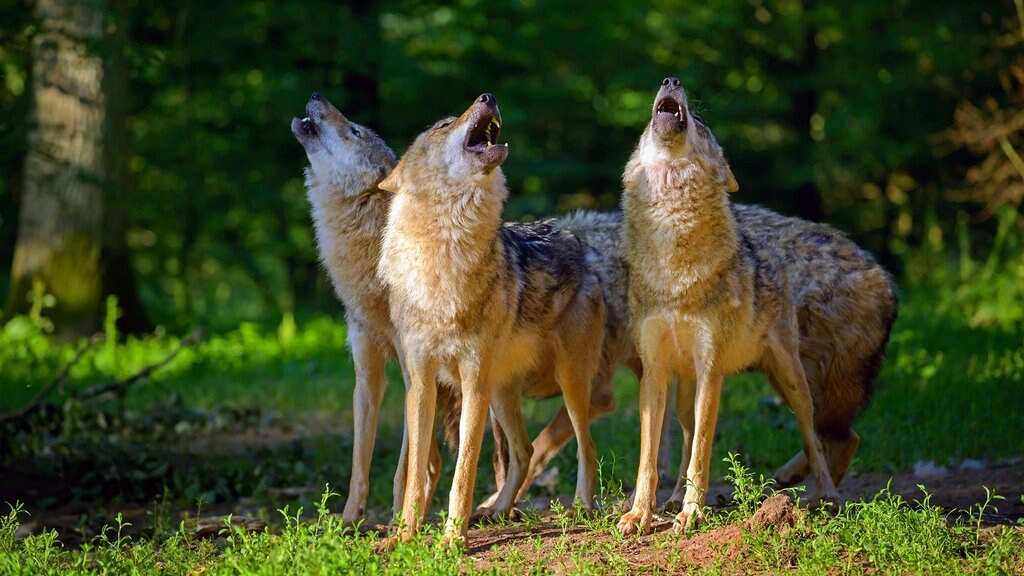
x=886, y=534
x=946, y=393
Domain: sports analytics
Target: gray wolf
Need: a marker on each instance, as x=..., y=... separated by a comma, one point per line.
x=706, y=299
x=347, y=161
x=846, y=305
x=480, y=304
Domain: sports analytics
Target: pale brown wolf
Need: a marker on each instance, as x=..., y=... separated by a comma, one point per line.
x=347, y=161
x=709, y=298
x=481, y=303
x=349, y=211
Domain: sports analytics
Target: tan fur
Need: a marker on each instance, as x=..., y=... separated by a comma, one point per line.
x=482, y=304
x=349, y=210
x=846, y=305
x=706, y=302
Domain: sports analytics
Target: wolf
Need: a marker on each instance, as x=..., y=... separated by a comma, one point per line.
x=480, y=303
x=846, y=306
x=707, y=299
x=347, y=162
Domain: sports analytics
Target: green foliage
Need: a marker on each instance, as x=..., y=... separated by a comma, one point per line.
x=810, y=100
x=294, y=377
x=747, y=491
x=885, y=534
x=984, y=292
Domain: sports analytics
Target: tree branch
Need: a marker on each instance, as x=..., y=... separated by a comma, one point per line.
x=58, y=379
x=104, y=392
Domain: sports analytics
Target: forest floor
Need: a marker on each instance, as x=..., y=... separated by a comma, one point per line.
x=549, y=533
x=255, y=425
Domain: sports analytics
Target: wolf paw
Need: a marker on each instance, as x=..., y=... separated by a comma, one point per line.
x=672, y=507
x=825, y=502
x=634, y=522
x=688, y=518
x=387, y=544
x=453, y=538
x=486, y=515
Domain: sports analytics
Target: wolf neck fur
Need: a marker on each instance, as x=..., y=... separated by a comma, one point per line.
x=443, y=241
x=683, y=202
x=348, y=229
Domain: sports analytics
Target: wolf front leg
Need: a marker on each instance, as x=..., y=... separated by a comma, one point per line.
x=369, y=361
x=476, y=397
x=686, y=392
x=575, y=380
x=654, y=345
x=708, y=395
x=420, y=401
x=402, y=471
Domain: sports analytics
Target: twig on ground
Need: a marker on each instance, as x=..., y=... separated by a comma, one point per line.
x=58, y=379
x=105, y=392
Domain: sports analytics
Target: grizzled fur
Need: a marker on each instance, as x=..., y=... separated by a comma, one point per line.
x=482, y=304
x=347, y=162
x=707, y=299
x=846, y=304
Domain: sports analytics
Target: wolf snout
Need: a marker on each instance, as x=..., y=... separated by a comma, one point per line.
x=317, y=106
x=669, y=82
x=487, y=100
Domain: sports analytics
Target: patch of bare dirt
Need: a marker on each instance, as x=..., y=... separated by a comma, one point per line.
x=956, y=491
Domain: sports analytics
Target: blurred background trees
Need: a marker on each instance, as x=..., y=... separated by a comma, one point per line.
x=898, y=121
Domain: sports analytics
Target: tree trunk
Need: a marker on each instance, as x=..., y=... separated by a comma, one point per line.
x=118, y=275
x=75, y=160
x=805, y=105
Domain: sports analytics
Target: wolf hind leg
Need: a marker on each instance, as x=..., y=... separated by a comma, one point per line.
x=575, y=384
x=785, y=371
x=506, y=406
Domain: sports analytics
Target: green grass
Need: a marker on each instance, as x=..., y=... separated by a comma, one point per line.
x=886, y=534
x=950, y=389
x=943, y=396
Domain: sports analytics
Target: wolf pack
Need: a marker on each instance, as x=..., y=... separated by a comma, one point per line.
x=681, y=286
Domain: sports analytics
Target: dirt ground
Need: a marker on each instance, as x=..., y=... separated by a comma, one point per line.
x=954, y=489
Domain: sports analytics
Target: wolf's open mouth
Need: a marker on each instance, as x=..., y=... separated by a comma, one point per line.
x=670, y=106
x=484, y=133
x=308, y=127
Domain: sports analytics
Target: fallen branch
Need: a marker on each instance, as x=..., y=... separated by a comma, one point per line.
x=105, y=392
x=58, y=379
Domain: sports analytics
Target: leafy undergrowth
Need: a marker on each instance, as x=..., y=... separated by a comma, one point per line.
x=259, y=416
x=943, y=397
x=886, y=534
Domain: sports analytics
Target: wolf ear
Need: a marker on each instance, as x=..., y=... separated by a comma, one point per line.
x=394, y=181
x=731, y=185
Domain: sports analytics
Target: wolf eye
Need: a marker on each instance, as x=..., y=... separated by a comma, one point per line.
x=355, y=132
x=446, y=124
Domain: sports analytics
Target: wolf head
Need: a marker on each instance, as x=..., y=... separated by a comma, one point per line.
x=675, y=134
x=347, y=156
x=453, y=152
